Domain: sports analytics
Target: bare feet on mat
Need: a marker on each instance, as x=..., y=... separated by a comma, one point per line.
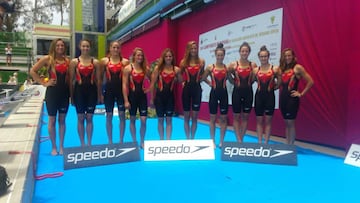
x=54, y=152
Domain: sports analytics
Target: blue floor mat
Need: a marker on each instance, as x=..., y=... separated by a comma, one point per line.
x=316, y=178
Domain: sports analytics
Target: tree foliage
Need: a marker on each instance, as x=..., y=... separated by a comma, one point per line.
x=29, y=12
x=114, y=4
x=62, y=7
x=11, y=19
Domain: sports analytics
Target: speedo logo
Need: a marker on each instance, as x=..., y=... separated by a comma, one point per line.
x=255, y=152
x=179, y=149
x=355, y=155
x=97, y=154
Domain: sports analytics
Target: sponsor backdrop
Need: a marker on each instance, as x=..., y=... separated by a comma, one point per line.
x=322, y=35
x=263, y=29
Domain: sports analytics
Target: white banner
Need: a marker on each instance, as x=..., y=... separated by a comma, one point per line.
x=264, y=29
x=161, y=150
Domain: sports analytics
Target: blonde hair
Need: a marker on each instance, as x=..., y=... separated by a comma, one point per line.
x=186, y=60
x=161, y=63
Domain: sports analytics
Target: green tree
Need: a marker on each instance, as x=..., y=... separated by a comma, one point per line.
x=60, y=6
x=114, y=4
x=28, y=12
x=11, y=19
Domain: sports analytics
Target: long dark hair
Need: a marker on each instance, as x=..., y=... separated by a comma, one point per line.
x=283, y=65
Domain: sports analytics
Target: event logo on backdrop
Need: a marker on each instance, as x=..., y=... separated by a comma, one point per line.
x=263, y=29
x=79, y=157
x=259, y=153
x=353, y=155
x=161, y=150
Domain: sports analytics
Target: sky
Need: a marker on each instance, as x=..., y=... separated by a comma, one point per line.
x=57, y=18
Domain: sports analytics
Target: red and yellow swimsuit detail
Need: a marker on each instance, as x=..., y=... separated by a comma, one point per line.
x=266, y=78
x=136, y=77
x=192, y=72
x=288, y=77
x=218, y=75
x=242, y=74
x=167, y=78
x=59, y=68
x=85, y=71
x=113, y=68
